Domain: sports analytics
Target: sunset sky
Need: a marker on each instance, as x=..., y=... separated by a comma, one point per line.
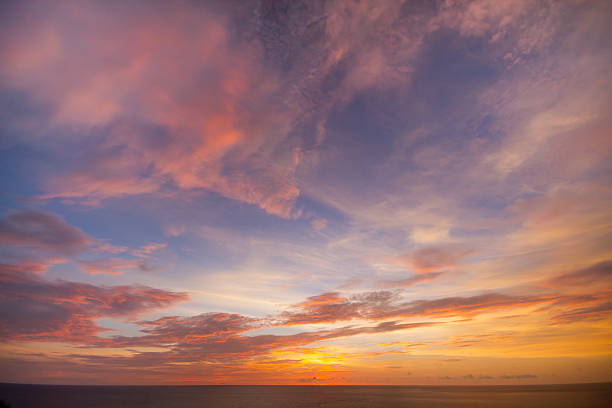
x=306, y=192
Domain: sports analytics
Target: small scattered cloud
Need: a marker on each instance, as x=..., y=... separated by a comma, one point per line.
x=430, y=235
x=318, y=223
x=599, y=275
x=518, y=377
x=173, y=231
x=433, y=258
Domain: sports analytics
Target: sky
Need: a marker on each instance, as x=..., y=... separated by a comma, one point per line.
x=306, y=192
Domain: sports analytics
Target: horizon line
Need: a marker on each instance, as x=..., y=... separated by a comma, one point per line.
x=309, y=385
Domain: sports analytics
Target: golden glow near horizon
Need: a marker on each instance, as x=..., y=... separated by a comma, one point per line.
x=342, y=192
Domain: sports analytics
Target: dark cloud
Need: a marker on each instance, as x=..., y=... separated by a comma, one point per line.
x=518, y=377
x=41, y=230
x=599, y=274
x=34, y=240
x=33, y=308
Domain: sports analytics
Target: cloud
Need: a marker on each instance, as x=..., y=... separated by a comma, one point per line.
x=433, y=258
x=351, y=283
x=429, y=235
x=36, y=309
x=599, y=275
x=221, y=338
x=147, y=124
x=586, y=294
x=318, y=223
x=601, y=311
x=240, y=108
x=331, y=307
x=116, y=266
x=41, y=230
x=148, y=249
x=111, y=266
x=518, y=377
x=465, y=306
x=408, y=282
x=520, y=28
x=35, y=240
x=222, y=120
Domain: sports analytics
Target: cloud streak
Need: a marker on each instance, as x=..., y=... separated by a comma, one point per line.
x=35, y=309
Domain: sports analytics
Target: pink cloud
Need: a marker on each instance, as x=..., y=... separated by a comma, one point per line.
x=110, y=266
x=35, y=309
x=433, y=258
x=32, y=241
x=36, y=240
x=148, y=249
x=41, y=230
x=129, y=81
x=318, y=223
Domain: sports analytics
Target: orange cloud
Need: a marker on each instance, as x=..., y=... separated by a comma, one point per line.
x=330, y=307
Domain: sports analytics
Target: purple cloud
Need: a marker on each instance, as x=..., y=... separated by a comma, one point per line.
x=41, y=230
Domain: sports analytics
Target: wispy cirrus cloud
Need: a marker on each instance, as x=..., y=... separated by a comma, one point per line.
x=112, y=266
x=598, y=275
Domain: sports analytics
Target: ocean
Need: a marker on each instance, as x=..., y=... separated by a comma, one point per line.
x=540, y=396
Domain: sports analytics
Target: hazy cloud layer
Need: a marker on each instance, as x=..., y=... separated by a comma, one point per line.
x=323, y=189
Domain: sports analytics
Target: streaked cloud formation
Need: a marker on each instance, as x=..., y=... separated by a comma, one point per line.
x=381, y=192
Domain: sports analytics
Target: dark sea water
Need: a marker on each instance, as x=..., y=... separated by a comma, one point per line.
x=546, y=396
